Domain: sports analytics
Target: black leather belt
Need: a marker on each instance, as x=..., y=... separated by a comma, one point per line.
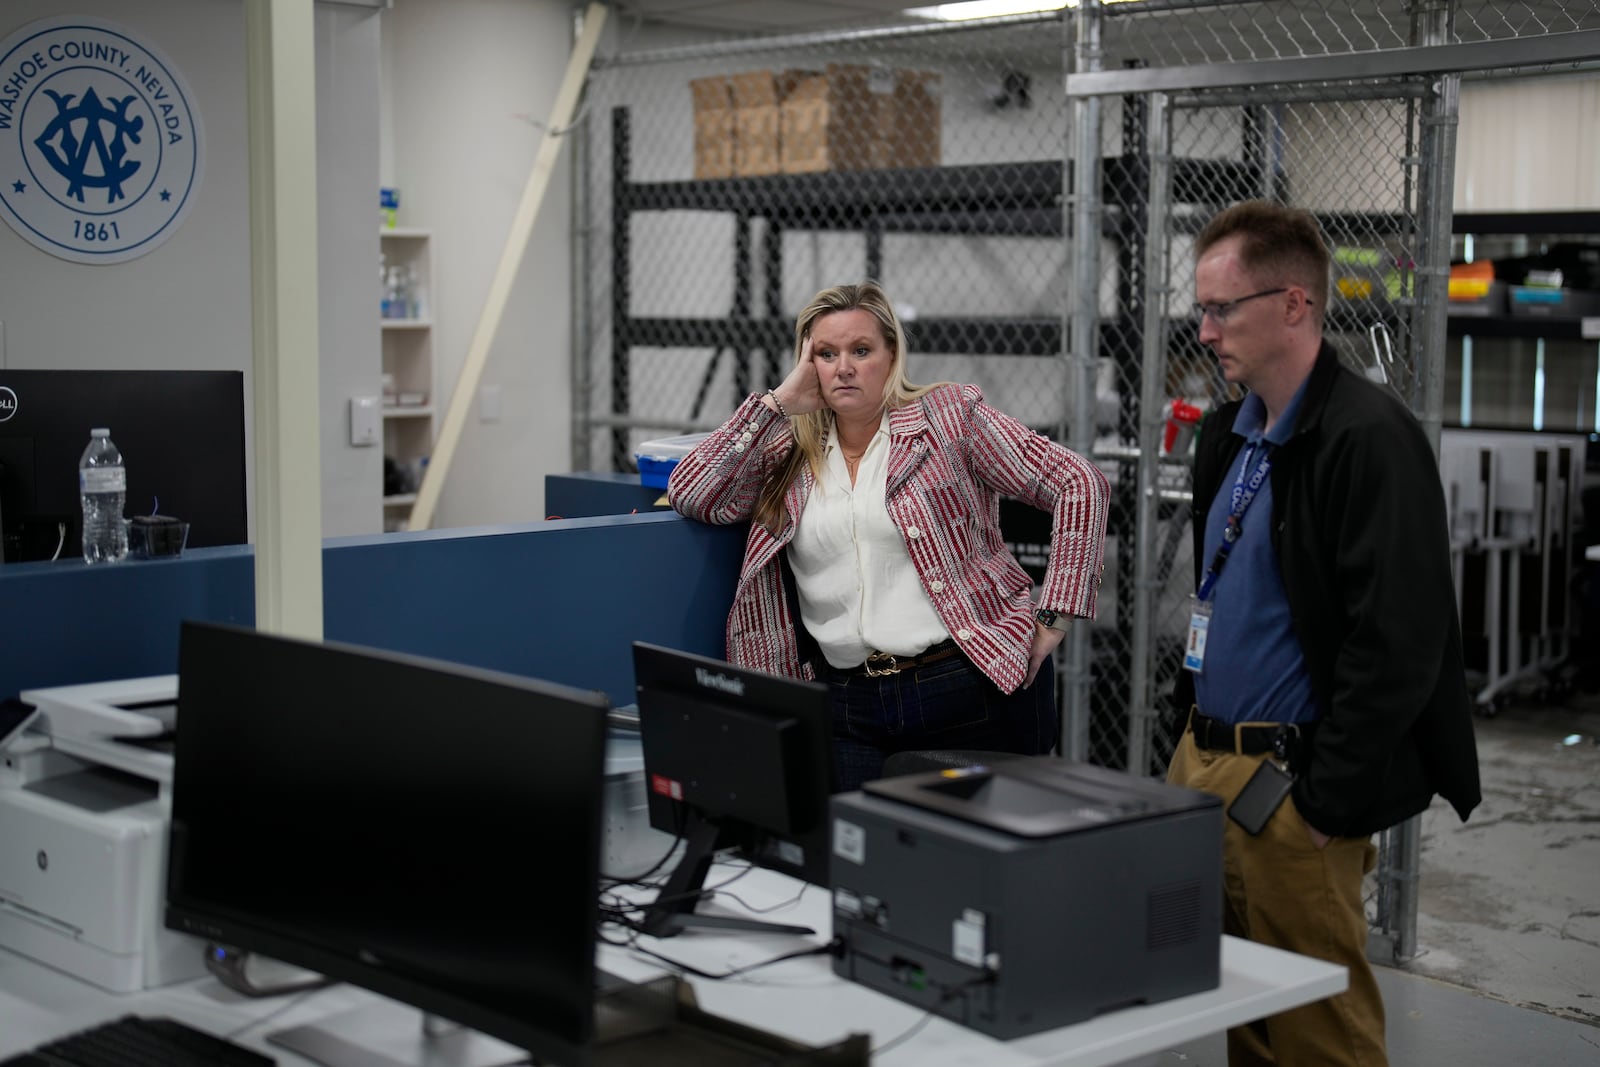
x=879, y=664
x=1243, y=738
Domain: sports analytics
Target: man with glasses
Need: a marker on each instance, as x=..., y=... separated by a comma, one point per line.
x=1324, y=694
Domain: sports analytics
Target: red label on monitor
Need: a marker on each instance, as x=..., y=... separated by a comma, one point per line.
x=667, y=787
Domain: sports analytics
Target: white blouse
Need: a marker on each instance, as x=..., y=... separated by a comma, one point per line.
x=858, y=590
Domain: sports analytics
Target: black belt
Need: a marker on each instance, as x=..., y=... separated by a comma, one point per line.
x=882, y=663
x=1243, y=738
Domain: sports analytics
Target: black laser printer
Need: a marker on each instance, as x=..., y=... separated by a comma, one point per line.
x=1027, y=894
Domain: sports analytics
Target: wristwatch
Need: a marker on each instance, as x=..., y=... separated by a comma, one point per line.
x=1055, y=620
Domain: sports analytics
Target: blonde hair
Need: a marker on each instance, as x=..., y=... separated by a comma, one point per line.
x=811, y=429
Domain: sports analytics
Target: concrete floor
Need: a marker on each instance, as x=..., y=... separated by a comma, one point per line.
x=1508, y=925
x=1510, y=900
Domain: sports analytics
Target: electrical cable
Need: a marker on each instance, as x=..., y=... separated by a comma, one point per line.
x=831, y=948
x=770, y=908
x=275, y=1012
x=618, y=909
x=949, y=993
x=640, y=879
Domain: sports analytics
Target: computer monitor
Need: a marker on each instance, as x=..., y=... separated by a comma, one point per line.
x=733, y=758
x=428, y=831
x=181, y=434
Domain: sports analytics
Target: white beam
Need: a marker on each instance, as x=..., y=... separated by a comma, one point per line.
x=280, y=72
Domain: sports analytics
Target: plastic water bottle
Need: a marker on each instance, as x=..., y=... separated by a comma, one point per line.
x=102, y=484
x=396, y=295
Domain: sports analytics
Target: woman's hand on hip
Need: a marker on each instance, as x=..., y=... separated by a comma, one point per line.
x=1045, y=640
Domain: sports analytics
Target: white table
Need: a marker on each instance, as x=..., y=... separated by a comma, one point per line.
x=804, y=1000
x=801, y=999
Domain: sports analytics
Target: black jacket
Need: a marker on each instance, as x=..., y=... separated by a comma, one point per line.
x=1359, y=526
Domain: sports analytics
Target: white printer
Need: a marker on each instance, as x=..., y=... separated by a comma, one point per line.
x=83, y=836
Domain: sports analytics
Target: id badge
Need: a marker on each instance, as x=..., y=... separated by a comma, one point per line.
x=1194, y=654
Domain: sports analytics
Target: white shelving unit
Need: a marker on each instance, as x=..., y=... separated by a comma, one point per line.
x=408, y=406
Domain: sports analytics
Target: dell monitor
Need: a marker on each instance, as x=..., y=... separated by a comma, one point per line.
x=733, y=759
x=428, y=831
x=181, y=434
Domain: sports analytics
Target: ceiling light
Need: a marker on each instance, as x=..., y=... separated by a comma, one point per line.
x=989, y=9
x=986, y=9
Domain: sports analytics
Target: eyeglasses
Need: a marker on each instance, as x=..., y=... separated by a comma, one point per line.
x=1220, y=311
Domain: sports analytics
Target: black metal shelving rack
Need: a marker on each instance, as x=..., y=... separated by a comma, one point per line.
x=1557, y=327
x=990, y=199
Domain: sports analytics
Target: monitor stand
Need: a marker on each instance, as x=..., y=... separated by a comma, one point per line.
x=388, y=1034
x=674, y=908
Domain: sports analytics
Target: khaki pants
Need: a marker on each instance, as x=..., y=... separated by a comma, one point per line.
x=1281, y=890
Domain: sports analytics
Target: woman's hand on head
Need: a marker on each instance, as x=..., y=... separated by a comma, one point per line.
x=801, y=392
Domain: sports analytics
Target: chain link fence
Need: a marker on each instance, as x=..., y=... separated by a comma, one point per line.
x=728, y=182
x=1352, y=161
x=1173, y=33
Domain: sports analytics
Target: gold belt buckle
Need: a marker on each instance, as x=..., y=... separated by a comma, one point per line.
x=892, y=668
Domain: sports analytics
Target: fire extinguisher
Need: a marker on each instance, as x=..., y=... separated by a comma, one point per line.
x=1181, y=423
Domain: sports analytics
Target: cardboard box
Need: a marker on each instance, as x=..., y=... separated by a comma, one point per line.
x=915, y=138
x=852, y=117
x=828, y=120
x=847, y=117
x=755, y=123
x=713, y=126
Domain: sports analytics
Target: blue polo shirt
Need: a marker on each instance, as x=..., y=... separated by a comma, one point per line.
x=1254, y=670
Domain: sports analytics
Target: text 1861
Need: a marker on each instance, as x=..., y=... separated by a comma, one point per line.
x=95, y=231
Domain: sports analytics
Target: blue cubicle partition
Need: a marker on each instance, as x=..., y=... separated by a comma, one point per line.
x=562, y=601
x=68, y=623
x=583, y=493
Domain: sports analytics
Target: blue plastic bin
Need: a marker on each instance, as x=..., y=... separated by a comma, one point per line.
x=657, y=458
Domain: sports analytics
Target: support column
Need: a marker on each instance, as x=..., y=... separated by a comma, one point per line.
x=1081, y=193
x=280, y=47
x=1152, y=399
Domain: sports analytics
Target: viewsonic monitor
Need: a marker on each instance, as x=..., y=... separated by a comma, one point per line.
x=428, y=831
x=733, y=759
x=181, y=434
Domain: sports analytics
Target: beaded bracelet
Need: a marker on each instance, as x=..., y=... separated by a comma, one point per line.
x=773, y=393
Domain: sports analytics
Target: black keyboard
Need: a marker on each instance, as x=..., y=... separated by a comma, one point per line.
x=140, y=1041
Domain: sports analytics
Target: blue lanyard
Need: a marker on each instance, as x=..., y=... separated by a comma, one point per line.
x=1244, y=492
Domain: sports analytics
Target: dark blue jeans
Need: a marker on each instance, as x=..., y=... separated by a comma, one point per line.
x=949, y=704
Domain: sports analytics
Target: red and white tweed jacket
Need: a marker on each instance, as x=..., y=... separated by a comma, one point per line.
x=951, y=458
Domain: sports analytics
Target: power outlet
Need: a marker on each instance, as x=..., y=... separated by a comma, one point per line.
x=489, y=403
x=366, y=414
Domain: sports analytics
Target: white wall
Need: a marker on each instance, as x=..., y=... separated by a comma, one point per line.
x=186, y=305
x=468, y=80
x=347, y=252
x=1529, y=145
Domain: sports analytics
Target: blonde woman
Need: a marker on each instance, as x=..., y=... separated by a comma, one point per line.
x=875, y=560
